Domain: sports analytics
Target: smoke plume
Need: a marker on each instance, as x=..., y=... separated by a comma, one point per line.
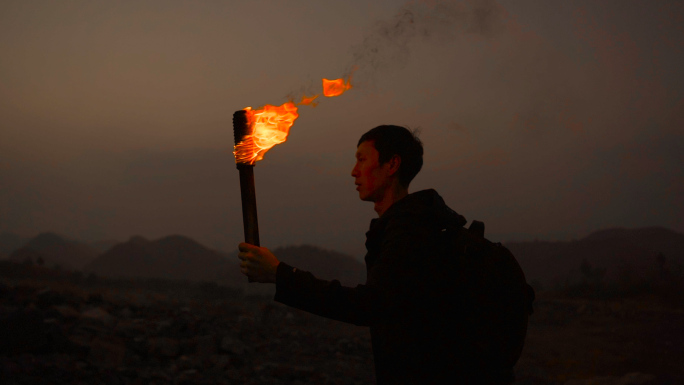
x=387, y=45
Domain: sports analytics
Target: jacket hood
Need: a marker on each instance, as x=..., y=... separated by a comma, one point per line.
x=426, y=202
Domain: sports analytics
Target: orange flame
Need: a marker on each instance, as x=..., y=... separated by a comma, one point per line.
x=335, y=87
x=308, y=100
x=268, y=126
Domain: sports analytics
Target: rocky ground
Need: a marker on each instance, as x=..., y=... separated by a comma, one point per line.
x=55, y=332
x=58, y=333
x=590, y=342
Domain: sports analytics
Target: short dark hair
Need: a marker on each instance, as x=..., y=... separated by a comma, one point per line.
x=396, y=140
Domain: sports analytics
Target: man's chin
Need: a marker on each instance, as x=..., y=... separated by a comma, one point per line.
x=365, y=197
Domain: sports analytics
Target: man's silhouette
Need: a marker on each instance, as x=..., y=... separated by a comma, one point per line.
x=406, y=301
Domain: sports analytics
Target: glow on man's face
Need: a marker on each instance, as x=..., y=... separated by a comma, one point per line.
x=371, y=178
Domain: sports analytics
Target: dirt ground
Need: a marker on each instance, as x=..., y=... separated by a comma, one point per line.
x=109, y=334
x=626, y=341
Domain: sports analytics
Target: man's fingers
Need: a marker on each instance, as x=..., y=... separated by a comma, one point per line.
x=247, y=247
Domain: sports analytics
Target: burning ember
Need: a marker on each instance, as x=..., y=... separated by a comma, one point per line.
x=308, y=101
x=268, y=126
x=335, y=87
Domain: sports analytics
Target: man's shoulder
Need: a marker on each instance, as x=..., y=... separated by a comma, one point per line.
x=417, y=213
x=421, y=207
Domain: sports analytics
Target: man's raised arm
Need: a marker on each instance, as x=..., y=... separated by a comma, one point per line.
x=396, y=280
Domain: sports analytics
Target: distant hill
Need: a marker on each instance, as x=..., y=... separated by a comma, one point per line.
x=179, y=257
x=172, y=257
x=623, y=253
x=9, y=242
x=55, y=250
x=324, y=264
x=103, y=245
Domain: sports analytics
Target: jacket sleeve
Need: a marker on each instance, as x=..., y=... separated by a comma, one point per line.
x=300, y=289
x=396, y=279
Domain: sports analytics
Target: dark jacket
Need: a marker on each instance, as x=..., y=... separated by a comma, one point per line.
x=405, y=301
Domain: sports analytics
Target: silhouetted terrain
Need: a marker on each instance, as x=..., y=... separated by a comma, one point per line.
x=103, y=245
x=618, y=255
x=61, y=327
x=612, y=256
x=178, y=257
x=172, y=257
x=171, y=311
x=324, y=264
x=54, y=250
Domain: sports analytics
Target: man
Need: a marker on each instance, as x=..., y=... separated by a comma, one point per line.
x=407, y=300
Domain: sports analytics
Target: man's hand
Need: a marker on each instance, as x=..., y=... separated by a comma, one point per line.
x=258, y=263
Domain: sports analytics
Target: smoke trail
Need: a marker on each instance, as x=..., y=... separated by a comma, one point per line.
x=388, y=44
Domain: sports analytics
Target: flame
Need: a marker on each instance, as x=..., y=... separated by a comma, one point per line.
x=308, y=100
x=335, y=87
x=269, y=126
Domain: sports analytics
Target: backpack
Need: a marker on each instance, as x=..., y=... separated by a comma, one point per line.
x=490, y=293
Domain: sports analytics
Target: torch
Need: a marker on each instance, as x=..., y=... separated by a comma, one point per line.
x=255, y=132
x=250, y=222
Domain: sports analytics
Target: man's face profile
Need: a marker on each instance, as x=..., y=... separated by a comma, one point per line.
x=371, y=178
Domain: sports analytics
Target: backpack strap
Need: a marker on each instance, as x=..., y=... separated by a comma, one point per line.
x=477, y=228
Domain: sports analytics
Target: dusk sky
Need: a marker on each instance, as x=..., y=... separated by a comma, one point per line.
x=544, y=119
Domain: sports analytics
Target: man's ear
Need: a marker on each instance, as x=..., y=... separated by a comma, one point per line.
x=394, y=163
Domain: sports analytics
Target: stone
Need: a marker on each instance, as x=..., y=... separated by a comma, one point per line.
x=98, y=314
x=47, y=297
x=207, y=345
x=126, y=313
x=139, y=345
x=232, y=345
x=95, y=299
x=637, y=378
x=221, y=361
x=288, y=372
x=128, y=328
x=165, y=346
x=634, y=378
x=107, y=351
x=24, y=332
x=5, y=291
x=184, y=363
x=164, y=327
x=67, y=312
x=81, y=343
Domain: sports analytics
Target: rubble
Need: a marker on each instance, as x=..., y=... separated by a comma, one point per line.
x=72, y=335
x=123, y=332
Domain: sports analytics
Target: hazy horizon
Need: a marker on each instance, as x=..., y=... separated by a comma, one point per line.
x=544, y=120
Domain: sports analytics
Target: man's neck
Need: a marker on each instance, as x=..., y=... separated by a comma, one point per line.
x=389, y=199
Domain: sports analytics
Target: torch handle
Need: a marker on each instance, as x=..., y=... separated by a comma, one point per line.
x=249, y=209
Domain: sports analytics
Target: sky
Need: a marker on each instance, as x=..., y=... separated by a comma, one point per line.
x=546, y=120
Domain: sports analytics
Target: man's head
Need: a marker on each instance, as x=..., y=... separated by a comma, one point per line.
x=386, y=155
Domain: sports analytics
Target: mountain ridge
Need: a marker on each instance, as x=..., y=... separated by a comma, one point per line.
x=645, y=251
x=638, y=253
x=55, y=250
